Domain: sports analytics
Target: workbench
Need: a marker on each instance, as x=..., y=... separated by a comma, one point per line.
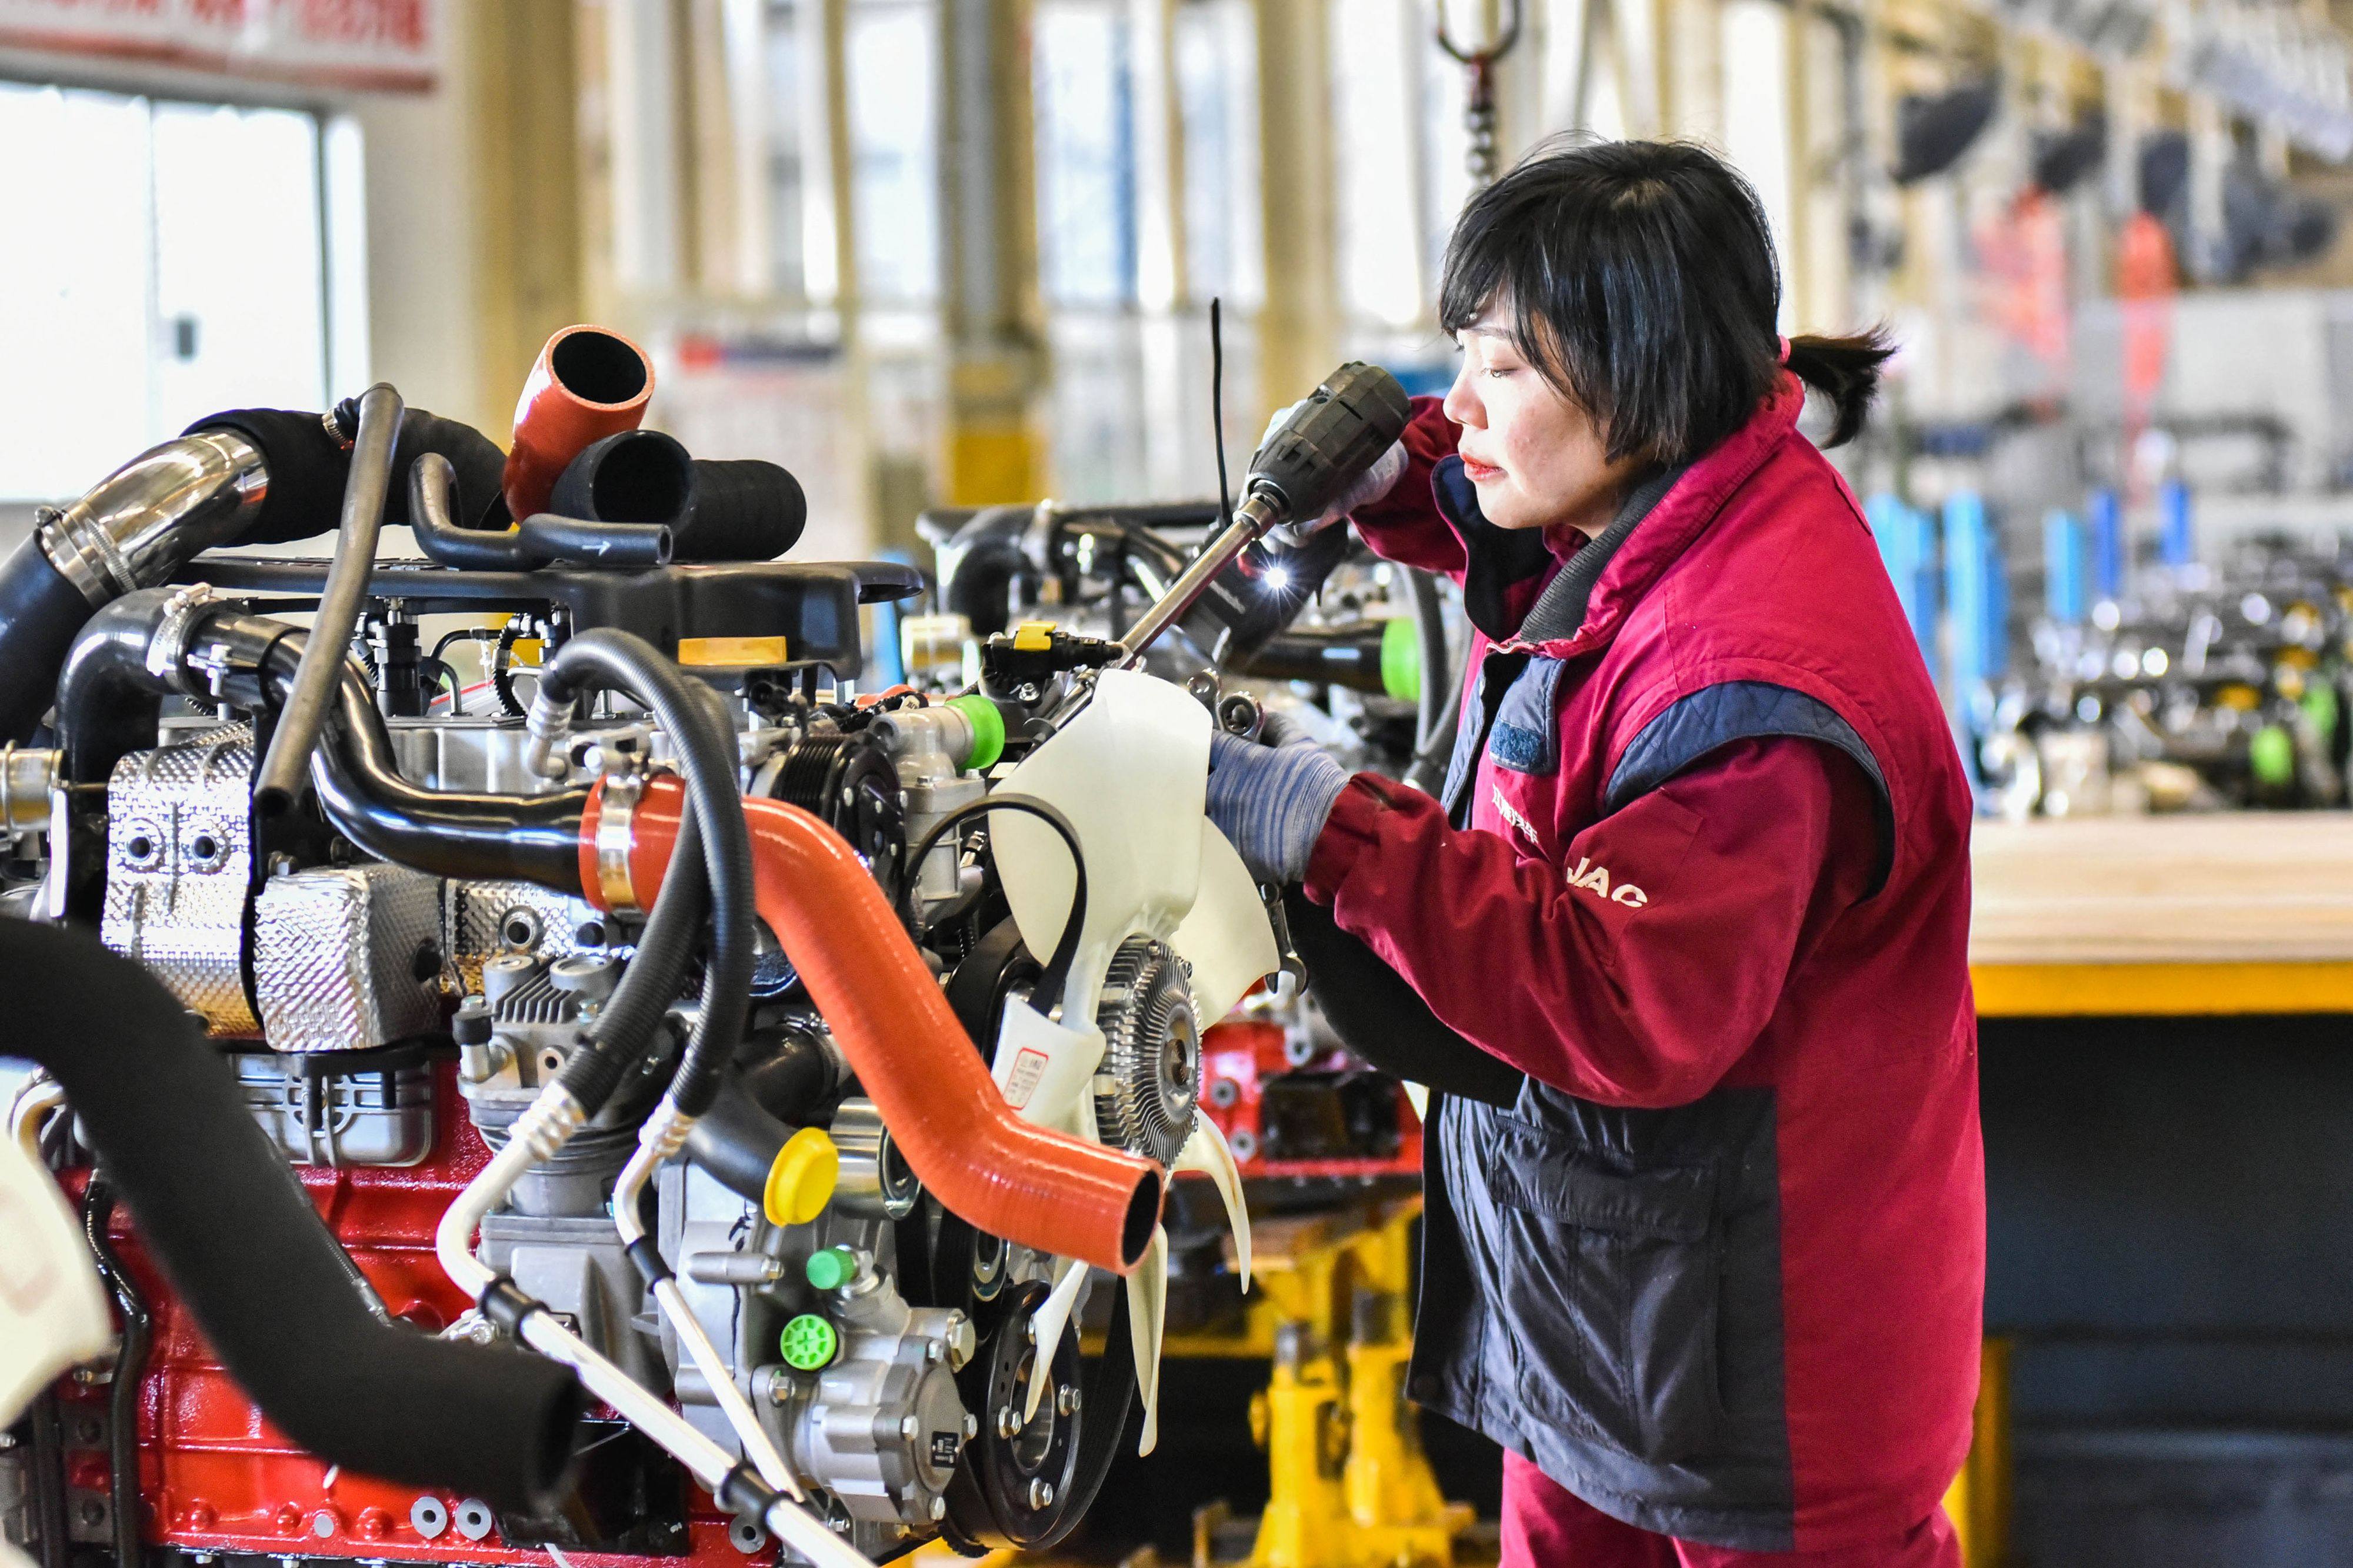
x=2164, y=916
x=2166, y=1050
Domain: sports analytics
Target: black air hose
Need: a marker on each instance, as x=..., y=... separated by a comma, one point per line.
x=240, y=1242
x=706, y=757
x=737, y=1142
x=744, y=510
x=40, y=611
x=107, y=701
x=990, y=568
x=549, y=536
x=308, y=466
x=786, y=1072
x=432, y=497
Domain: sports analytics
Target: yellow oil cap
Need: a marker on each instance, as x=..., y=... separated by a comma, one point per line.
x=800, y=1182
x=730, y=652
x=1033, y=636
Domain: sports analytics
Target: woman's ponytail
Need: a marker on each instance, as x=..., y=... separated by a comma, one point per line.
x=1844, y=370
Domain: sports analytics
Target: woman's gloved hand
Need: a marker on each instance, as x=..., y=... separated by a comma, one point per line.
x=1370, y=485
x=1271, y=801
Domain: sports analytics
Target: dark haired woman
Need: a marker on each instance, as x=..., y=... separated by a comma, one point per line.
x=1709, y=1262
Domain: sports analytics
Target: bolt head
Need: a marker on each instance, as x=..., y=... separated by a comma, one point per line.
x=910, y=1428
x=972, y=1425
x=1042, y=1493
x=1066, y=1399
x=939, y=1508
x=1009, y=1422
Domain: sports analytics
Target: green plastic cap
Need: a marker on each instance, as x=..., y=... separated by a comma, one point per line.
x=2320, y=707
x=1401, y=660
x=833, y=1268
x=987, y=729
x=2271, y=751
x=810, y=1343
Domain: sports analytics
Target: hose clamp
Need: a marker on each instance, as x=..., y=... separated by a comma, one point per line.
x=616, y=812
x=167, y=650
x=85, y=555
x=26, y=777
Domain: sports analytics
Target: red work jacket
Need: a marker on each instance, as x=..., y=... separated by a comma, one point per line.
x=1719, y=1270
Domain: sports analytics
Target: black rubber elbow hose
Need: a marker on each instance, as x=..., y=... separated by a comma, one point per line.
x=40, y=611
x=706, y=757
x=239, y=1238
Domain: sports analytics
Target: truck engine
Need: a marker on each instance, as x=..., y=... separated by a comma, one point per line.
x=541, y=1063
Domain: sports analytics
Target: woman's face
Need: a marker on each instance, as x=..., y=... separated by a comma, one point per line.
x=1534, y=456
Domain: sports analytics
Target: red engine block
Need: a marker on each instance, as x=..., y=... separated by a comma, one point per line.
x=216, y=1477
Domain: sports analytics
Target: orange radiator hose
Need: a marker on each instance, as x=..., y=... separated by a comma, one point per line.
x=992, y=1169
x=586, y=384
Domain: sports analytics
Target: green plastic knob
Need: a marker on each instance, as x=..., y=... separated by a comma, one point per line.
x=1401, y=660
x=809, y=1341
x=2271, y=751
x=2320, y=707
x=833, y=1268
x=987, y=729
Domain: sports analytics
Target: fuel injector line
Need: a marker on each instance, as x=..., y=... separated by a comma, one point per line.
x=304, y=711
x=241, y=1243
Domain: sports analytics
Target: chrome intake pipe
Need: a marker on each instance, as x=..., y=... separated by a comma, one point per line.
x=134, y=529
x=155, y=513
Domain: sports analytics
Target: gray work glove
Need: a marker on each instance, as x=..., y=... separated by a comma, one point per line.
x=1272, y=802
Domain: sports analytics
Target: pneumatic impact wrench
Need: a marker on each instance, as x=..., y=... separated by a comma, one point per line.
x=1339, y=432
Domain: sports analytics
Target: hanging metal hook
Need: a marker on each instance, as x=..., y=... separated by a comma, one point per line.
x=1479, y=109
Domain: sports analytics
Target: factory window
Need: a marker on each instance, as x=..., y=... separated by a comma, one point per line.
x=1400, y=152
x=142, y=293
x=895, y=141
x=1757, y=123
x=788, y=102
x=1086, y=152
x=1217, y=95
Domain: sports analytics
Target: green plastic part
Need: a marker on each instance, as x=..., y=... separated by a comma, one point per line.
x=2271, y=754
x=987, y=729
x=810, y=1343
x=2320, y=707
x=833, y=1268
x=1401, y=660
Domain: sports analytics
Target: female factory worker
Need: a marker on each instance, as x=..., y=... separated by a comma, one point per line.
x=1711, y=1272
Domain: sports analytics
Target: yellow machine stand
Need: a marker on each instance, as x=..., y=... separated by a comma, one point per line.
x=1350, y=1486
